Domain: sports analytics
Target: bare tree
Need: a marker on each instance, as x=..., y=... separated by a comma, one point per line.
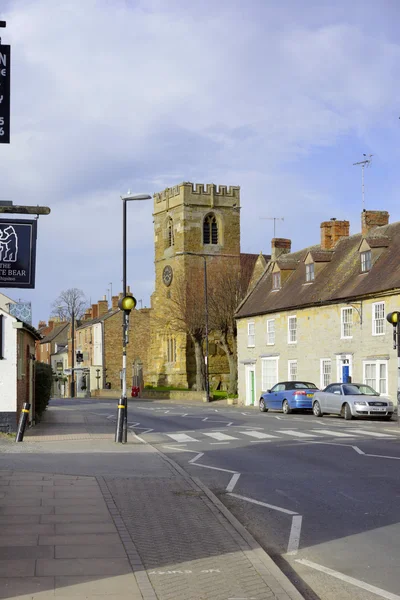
x=228, y=284
x=187, y=316
x=68, y=302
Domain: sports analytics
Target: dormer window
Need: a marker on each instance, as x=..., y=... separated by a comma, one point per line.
x=210, y=230
x=276, y=280
x=365, y=261
x=310, y=273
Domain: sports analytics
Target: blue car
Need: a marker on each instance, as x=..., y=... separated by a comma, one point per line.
x=288, y=396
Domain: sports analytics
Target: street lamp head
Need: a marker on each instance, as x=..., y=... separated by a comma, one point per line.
x=130, y=196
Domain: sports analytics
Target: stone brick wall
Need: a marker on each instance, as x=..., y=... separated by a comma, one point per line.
x=138, y=347
x=373, y=218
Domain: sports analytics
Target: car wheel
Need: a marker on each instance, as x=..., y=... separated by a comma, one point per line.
x=262, y=406
x=317, y=409
x=286, y=408
x=347, y=412
x=387, y=417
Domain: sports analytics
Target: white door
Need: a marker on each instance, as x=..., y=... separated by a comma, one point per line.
x=250, y=385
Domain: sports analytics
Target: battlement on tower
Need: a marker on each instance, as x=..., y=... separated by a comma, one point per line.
x=200, y=194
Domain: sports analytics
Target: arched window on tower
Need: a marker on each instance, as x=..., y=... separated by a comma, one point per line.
x=210, y=230
x=170, y=233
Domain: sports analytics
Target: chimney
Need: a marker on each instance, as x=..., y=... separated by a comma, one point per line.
x=51, y=326
x=95, y=311
x=373, y=218
x=280, y=246
x=332, y=231
x=114, y=302
x=88, y=314
x=42, y=324
x=102, y=306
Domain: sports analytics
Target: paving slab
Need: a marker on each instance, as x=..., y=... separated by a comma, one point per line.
x=89, y=551
x=26, y=587
x=87, y=587
x=98, y=567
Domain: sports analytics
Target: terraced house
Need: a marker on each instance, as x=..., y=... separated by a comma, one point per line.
x=319, y=314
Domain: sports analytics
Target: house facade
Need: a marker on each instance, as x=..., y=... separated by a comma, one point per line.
x=17, y=380
x=319, y=314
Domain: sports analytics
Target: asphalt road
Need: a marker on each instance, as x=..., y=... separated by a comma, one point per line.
x=320, y=495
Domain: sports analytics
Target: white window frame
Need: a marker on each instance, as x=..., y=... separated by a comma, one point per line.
x=381, y=320
x=292, y=373
x=251, y=336
x=275, y=378
x=270, y=332
x=376, y=381
x=324, y=373
x=364, y=262
x=276, y=279
x=346, y=310
x=291, y=319
x=310, y=272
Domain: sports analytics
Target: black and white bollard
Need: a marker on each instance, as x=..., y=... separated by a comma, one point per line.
x=22, y=422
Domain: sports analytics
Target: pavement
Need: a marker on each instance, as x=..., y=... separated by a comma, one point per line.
x=83, y=517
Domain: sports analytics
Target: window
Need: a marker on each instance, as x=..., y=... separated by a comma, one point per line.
x=251, y=335
x=210, y=230
x=378, y=318
x=270, y=332
x=326, y=372
x=347, y=323
x=269, y=373
x=292, y=330
x=171, y=350
x=292, y=370
x=170, y=233
x=310, y=272
x=276, y=280
x=365, y=261
x=375, y=375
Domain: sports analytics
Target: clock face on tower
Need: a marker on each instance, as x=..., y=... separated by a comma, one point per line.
x=167, y=275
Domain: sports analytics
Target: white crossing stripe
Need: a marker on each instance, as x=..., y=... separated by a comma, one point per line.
x=372, y=433
x=258, y=434
x=217, y=435
x=333, y=433
x=297, y=434
x=181, y=437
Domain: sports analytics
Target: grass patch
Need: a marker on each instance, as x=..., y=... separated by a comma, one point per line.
x=7, y=436
x=219, y=394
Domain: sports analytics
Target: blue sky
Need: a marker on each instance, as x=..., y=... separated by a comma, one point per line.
x=111, y=95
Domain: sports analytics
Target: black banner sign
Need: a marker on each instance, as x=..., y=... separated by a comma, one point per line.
x=17, y=253
x=5, y=68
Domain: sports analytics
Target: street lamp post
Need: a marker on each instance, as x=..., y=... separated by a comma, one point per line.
x=73, y=354
x=126, y=304
x=394, y=319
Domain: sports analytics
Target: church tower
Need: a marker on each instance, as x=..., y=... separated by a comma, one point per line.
x=191, y=221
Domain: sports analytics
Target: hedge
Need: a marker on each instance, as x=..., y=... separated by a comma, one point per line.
x=43, y=385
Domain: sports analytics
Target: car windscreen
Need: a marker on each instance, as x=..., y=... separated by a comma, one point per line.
x=367, y=390
x=351, y=390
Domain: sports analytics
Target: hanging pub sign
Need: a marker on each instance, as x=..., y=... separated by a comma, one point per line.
x=17, y=253
x=5, y=52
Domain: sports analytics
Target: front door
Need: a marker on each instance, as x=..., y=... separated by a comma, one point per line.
x=251, y=386
x=344, y=368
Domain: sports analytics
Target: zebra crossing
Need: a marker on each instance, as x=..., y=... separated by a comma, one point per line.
x=255, y=436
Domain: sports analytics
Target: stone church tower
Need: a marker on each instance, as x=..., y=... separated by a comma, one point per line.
x=188, y=218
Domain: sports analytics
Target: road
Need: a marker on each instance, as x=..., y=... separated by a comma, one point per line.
x=320, y=495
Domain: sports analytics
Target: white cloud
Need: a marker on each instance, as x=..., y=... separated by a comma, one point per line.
x=108, y=96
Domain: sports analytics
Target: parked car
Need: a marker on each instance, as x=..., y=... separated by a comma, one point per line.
x=352, y=400
x=288, y=396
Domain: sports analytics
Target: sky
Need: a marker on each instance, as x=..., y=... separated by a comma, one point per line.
x=280, y=98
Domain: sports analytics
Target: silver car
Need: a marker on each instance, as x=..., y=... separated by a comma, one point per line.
x=352, y=400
